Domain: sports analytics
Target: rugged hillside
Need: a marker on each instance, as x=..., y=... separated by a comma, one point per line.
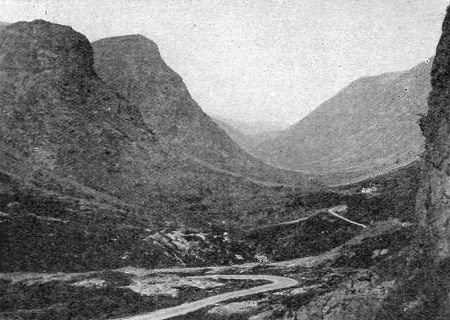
x=79, y=159
x=432, y=198
x=132, y=65
x=368, y=127
x=59, y=120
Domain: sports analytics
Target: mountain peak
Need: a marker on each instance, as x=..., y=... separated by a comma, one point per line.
x=137, y=38
x=40, y=46
x=135, y=46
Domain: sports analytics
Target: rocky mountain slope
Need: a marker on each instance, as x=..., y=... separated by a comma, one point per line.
x=368, y=127
x=132, y=65
x=60, y=122
x=80, y=159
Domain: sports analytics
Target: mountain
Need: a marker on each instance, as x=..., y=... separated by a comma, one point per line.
x=87, y=182
x=368, y=127
x=132, y=65
x=74, y=156
x=60, y=120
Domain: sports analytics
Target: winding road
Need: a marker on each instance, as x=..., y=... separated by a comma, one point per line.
x=277, y=282
x=332, y=211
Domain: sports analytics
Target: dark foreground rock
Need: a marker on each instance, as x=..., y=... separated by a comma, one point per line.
x=423, y=292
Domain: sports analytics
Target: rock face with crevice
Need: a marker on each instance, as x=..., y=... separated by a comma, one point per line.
x=433, y=200
x=424, y=291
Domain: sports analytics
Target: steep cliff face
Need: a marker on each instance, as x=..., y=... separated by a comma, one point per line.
x=424, y=291
x=58, y=119
x=433, y=201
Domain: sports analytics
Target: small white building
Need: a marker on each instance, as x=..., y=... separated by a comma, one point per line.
x=369, y=190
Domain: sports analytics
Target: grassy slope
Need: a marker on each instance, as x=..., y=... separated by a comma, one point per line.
x=369, y=126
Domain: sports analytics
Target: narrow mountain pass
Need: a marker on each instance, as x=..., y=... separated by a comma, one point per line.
x=277, y=283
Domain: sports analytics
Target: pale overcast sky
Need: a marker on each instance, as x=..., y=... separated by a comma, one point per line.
x=260, y=59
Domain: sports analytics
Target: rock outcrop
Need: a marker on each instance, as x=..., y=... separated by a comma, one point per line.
x=424, y=292
x=357, y=298
x=433, y=203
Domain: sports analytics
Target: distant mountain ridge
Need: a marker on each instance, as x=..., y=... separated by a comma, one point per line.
x=368, y=127
x=253, y=128
x=132, y=65
x=249, y=135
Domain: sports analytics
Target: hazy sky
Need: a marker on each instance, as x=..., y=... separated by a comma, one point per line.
x=260, y=59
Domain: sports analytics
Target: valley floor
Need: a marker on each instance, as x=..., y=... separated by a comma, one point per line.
x=348, y=279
